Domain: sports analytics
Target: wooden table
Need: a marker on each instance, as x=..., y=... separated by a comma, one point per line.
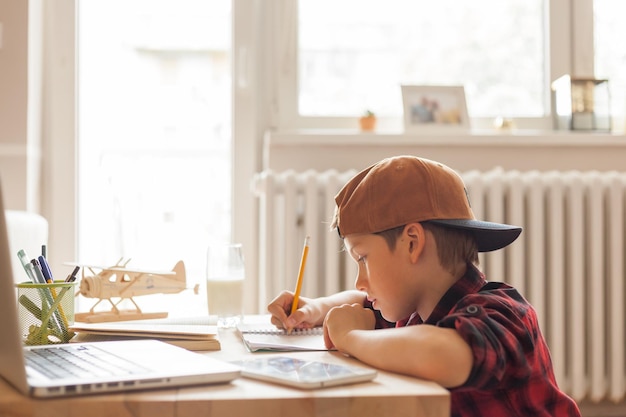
x=388, y=395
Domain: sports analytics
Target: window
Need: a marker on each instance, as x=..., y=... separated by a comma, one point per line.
x=354, y=54
x=154, y=132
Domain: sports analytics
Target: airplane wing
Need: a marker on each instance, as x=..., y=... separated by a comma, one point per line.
x=124, y=269
x=138, y=271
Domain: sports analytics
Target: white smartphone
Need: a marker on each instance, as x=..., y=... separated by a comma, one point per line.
x=302, y=373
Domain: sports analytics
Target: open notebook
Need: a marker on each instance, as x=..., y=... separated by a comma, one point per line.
x=266, y=337
x=52, y=370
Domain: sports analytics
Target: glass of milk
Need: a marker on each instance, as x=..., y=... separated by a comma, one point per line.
x=224, y=283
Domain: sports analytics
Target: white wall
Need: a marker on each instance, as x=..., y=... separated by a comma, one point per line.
x=21, y=57
x=37, y=109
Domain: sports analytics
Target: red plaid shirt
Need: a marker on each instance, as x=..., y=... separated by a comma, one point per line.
x=512, y=371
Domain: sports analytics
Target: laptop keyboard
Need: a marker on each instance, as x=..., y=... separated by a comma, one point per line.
x=79, y=361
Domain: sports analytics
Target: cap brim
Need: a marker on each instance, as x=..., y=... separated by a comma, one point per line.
x=489, y=236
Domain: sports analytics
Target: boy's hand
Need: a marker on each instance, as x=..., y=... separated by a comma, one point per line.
x=341, y=320
x=306, y=316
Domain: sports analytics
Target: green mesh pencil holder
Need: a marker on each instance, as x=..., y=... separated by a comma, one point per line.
x=46, y=311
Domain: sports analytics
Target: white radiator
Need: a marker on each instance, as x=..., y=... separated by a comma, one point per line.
x=568, y=262
x=292, y=206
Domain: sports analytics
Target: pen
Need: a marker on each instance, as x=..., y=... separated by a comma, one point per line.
x=59, y=311
x=45, y=269
x=50, y=295
x=28, y=267
x=296, y=296
x=72, y=277
x=47, y=274
x=38, y=272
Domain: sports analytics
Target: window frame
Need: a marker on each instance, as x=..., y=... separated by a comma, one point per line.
x=59, y=122
x=567, y=51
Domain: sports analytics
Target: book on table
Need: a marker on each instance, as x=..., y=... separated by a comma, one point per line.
x=190, y=333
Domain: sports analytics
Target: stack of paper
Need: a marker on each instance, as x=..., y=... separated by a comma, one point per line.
x=191, y=334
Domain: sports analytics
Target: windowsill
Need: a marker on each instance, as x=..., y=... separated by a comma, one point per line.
x=342, y=149
x=517, y=137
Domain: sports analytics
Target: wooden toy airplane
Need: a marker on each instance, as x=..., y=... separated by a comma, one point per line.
x=123, y=283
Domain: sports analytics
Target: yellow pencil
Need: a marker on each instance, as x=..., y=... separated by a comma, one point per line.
x=296, y=296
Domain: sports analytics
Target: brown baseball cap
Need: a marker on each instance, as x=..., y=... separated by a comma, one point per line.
x=406, y=189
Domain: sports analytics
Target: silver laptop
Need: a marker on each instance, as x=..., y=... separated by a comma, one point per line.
x=42, y=371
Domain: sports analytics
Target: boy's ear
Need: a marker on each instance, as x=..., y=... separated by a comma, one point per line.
x=416, y=238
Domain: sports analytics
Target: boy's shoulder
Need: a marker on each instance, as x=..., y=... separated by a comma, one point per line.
x=496, y=312
x=493, y=298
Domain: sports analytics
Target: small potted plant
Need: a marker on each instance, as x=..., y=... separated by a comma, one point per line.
x=367, y=121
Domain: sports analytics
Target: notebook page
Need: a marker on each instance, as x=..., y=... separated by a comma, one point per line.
x=265, y=337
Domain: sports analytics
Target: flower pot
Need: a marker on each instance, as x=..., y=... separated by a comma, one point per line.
x=367, y=123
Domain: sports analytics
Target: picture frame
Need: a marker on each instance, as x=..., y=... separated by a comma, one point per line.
x=434, y=108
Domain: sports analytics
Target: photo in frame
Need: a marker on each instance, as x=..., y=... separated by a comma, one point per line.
x=434, y=108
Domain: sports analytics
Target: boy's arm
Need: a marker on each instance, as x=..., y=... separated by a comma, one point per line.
x=429, y=352
x=311, y=311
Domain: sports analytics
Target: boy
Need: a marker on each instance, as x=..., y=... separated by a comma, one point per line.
x=421, y=306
